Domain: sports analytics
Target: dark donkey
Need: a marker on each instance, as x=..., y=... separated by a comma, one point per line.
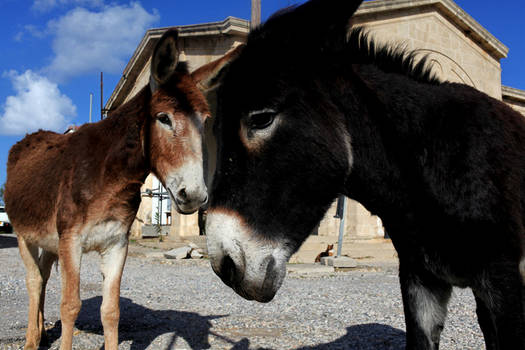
x=74, y=193
x=307, y=112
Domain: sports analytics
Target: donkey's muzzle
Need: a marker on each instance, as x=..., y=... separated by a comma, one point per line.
x=253, y=265
x=188, y=200
x=233, y=276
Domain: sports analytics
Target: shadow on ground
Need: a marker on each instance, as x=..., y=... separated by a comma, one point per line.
x=141, y=325
x=8, y=241
x=366, y=336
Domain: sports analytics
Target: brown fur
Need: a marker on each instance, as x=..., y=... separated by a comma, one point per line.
x=73, y=193
x=207, y=75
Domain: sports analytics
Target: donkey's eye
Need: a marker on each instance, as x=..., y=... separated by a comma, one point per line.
x=164, y=119
x=261, y=119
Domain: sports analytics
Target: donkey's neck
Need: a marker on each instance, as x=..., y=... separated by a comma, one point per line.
x=387, y=136
x=127, y=137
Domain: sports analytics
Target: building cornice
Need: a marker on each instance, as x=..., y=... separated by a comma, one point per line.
x=514, y=94
x=230, y=26
x=449, y=9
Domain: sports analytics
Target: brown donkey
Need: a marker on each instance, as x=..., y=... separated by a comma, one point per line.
x=74, y=193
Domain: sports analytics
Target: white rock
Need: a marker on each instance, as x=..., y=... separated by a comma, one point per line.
x=178, y=253
x=195, y=254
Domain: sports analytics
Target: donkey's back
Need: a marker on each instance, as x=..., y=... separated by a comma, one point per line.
x=35, y=171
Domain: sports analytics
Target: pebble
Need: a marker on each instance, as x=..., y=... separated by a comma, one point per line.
x=184, y=305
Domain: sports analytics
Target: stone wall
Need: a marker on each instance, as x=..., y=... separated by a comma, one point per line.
x=455, y=57
x=359, y=222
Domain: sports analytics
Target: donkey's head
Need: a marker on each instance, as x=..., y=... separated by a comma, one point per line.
x=178, y=110
x=284, y=149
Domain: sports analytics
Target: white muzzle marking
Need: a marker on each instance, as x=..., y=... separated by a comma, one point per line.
x=186, y=187
x=259, y=264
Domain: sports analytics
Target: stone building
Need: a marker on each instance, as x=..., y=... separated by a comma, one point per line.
x=460, y=49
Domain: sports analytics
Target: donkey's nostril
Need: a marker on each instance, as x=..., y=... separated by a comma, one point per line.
x=228, y=271
x=182, y=193
x=205, y=200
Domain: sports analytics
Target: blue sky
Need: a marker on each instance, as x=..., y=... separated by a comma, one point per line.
x=52, y=51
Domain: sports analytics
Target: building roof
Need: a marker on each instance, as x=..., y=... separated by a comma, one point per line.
x=230, y=26
x=235, y=26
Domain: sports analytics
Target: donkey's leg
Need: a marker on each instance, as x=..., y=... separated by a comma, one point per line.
x=45, y=264
x=112, y=266
x=29, y=254
x=486, y=323
x=501, y=292
x=70, y=257
x=425, y=300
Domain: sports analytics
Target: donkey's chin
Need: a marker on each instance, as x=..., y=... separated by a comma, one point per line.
x=261, y=287
x=184, y=208
x=261, y=295
x=254, y=266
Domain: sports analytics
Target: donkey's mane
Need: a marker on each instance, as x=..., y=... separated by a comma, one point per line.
x=357, y=44
x=390, y=58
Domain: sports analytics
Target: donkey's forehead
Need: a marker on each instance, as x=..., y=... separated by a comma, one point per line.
x=180, y=95
x=242, y=96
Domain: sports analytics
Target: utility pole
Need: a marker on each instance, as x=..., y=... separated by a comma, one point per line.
x=101, y=95
x=256, y=14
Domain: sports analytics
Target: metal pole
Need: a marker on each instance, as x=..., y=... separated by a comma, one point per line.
x=160, y=203
x=256, y=14
x=341, y=230
x=90, y=106
x=101, y=95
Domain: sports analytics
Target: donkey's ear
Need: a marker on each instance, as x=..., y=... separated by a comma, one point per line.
x=333, y=11
x=327, y=13
x=208, y=77
x=312, y=23
x=165, y=59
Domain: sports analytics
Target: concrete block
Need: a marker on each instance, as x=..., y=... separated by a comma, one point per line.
x=339, y=262
x=309, y=269
x=151, y=231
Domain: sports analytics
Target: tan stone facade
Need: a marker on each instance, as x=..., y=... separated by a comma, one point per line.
x=427, y=29
x=460, y=49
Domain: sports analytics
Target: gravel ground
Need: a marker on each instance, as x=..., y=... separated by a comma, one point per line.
x=168, y=304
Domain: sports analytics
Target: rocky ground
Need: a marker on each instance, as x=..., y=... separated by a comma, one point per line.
x=168, y=304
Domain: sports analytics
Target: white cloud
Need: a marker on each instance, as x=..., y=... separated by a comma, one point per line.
x=31, y=30
x=38, y=104
x=18, y=36
x=47, y=5
x=90, y=41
